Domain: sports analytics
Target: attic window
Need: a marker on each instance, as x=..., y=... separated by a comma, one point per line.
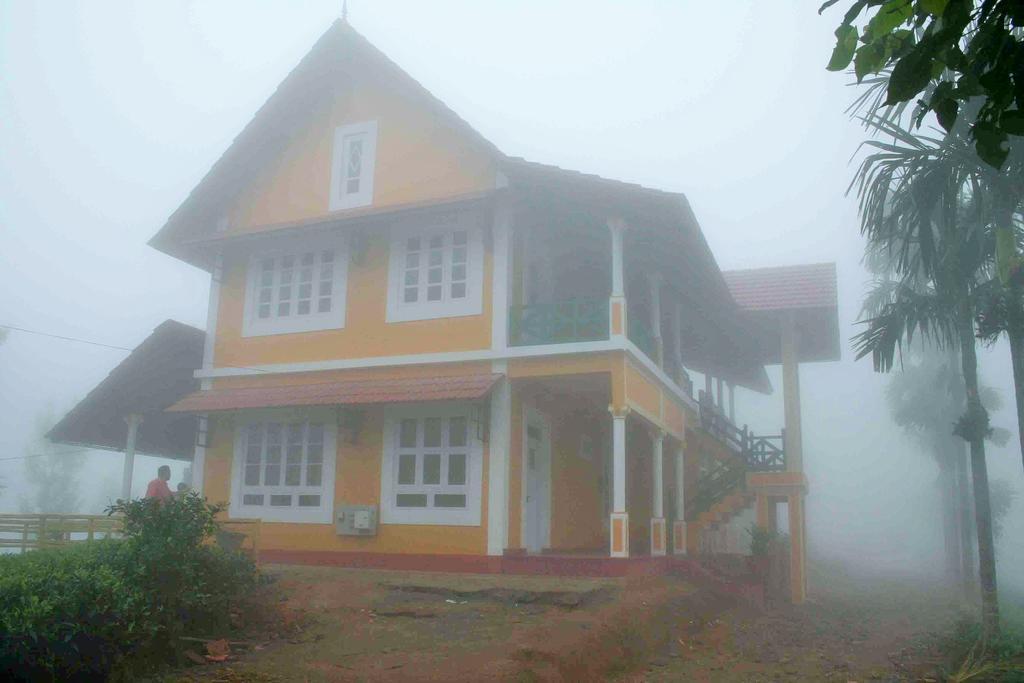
x=352, y=164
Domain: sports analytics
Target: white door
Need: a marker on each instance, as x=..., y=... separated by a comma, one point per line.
x=537, y=488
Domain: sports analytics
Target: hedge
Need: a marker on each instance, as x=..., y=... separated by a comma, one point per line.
x=112, y=607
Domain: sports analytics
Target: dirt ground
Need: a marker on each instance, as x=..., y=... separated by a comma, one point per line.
x=355, y=625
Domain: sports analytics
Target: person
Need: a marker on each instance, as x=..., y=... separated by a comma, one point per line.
x=183, y=488
x=158, y=488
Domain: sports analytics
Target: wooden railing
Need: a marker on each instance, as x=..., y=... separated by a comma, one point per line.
x=766, y=453
x=724, y=477
x=560, y=322
x=34, y=531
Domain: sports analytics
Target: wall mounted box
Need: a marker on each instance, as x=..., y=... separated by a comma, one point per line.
x=355, y=520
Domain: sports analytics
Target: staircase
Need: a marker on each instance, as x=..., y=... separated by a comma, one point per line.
x=721, y=492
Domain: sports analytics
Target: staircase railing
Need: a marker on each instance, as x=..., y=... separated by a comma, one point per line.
x=766, y=453
x=723, y=478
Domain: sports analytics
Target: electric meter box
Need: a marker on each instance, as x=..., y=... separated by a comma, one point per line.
x=356, y=520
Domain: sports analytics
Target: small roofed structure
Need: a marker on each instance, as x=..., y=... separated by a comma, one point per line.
x=806, y=295
x=795, y=312
x=126, y=411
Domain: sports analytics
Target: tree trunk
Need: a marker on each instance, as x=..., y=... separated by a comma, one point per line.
x=949, y=503
x=976, y=427
x=965, y=513
x=1016, y=338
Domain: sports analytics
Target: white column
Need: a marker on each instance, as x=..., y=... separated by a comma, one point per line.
x=619, y=527
x=498, y=464
x=657, y=496
x=199, y=455
x=501, y=273
x=212, y=312
x=654, y=283
x=617, y=228
x=618, y=463
x=679, y=525
x=617, y=303
x=677, y=338
x=133, y=421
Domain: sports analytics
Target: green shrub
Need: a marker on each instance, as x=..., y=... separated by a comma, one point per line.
x=82, y=612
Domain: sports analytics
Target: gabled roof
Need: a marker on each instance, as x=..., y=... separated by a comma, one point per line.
x=313, y=83
x=158, y=373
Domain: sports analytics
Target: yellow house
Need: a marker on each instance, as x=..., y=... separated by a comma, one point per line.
x=421, y=352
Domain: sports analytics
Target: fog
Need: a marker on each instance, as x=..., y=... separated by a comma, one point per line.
x=111, y=112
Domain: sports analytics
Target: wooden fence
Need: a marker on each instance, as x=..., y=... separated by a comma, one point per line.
x=34, y=531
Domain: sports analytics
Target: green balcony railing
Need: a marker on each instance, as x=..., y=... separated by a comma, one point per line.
x=560, y=322
x=641, y=335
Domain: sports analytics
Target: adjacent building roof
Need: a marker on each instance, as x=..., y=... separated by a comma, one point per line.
x=158, y=373
x=355, y=392
x=784, y=287
x=805, y=296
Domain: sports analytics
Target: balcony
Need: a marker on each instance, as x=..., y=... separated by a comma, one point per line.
x=561, y=322
x=640, y=334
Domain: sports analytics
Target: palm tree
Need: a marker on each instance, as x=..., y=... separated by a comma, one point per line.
x=925, y=213
x=926, y=397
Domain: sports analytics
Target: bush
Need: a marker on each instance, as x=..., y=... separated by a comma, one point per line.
x=83, y=612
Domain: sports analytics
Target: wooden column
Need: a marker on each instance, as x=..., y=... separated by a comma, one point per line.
x=797, y=549
x=732, y=402
x=791, y=395
x=133, y=421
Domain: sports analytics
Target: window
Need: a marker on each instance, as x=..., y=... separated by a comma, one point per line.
x=436, y=270
x=284, y=470
x=352, y=164
x=431, y=471
x=296, y=291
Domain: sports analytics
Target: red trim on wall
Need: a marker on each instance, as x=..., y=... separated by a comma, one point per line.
x=540, y=565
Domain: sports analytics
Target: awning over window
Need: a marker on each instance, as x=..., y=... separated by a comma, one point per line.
x=355, y=392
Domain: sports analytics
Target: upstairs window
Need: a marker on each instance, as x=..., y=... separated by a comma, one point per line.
x=436, y=271
x=284, y=470
x=296, y=290
x=352, y=164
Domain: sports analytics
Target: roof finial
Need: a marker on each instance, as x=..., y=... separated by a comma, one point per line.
x=344, y=10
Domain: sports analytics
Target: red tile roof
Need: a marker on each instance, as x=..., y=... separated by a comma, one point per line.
x=356, y=392
x=785, y=287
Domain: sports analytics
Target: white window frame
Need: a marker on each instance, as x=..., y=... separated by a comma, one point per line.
x=322, y=514
x=339, y=198
x=472, y=304
x=254, y=326
x=390, y=512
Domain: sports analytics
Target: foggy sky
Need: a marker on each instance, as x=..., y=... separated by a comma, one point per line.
x=111, y=112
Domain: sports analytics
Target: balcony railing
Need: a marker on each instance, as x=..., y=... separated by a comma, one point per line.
x=641, y=335
x=766, y=453
x=560, y=322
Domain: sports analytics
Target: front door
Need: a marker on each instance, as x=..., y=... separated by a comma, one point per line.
x=537, y=487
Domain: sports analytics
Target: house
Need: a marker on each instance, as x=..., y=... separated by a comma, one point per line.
x=423, y=353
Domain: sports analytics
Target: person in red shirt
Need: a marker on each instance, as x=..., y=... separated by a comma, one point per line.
x=158, y=488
